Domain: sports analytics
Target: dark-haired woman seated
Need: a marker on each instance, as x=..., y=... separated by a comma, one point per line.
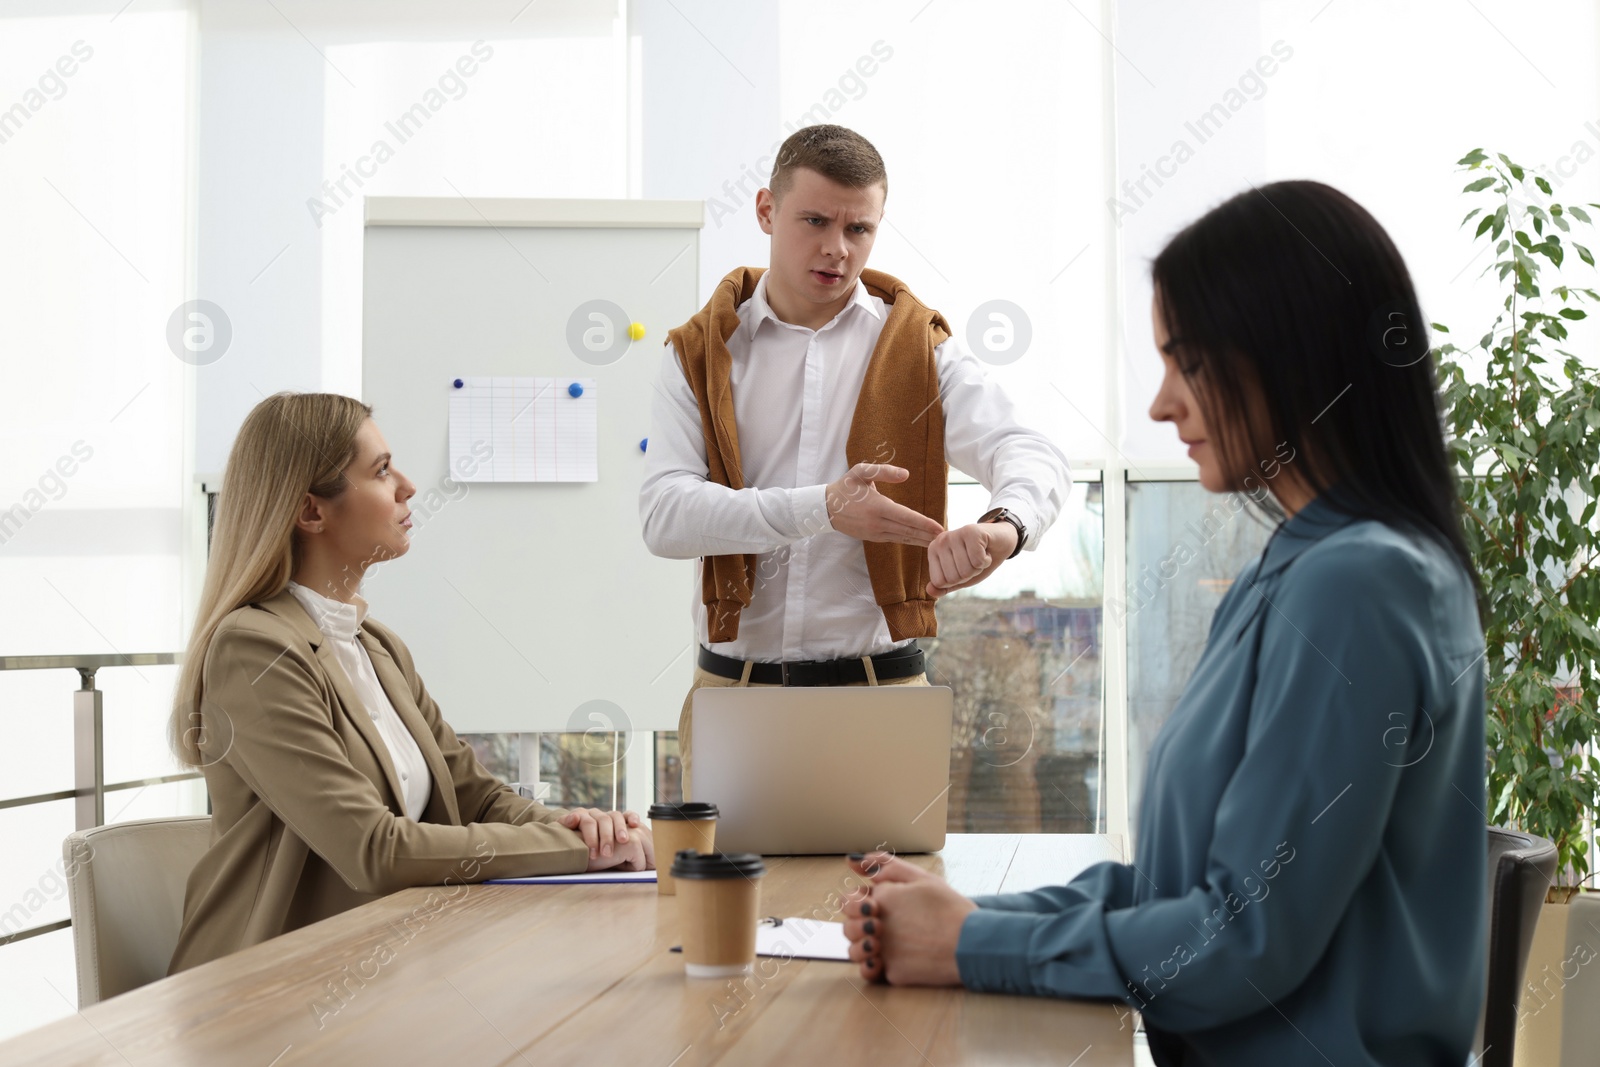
x=1309, y=877
x=333, y=777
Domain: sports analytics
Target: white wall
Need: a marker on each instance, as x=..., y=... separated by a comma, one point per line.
x=710, y=75
x=297, y=98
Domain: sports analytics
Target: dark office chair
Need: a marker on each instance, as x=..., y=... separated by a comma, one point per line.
x=1521, y=869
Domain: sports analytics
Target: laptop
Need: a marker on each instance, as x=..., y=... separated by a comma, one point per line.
x=808, y=770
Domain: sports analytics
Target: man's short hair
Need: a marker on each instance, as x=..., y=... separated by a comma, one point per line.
x=838, y=154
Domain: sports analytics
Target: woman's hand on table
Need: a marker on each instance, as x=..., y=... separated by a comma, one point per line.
x=616, y=839
x=904, y=928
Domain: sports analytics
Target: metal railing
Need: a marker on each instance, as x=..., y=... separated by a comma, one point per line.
x=88, y=748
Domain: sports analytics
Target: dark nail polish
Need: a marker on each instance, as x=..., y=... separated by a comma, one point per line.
x=872, y=868
x=858, y=856
x=866, y=907
x=866, y=946
x=871, y=927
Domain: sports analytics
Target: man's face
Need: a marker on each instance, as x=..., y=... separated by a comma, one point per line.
x=822, y=233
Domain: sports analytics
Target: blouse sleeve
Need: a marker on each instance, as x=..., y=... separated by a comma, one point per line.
x=1297, y=828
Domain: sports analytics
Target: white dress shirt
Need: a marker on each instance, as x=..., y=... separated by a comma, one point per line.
x=795, y=396
x=339, y=622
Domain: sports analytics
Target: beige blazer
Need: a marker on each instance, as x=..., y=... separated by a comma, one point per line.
x=306, y=809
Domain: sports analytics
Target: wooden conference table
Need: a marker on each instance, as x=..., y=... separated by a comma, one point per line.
x=582, y=974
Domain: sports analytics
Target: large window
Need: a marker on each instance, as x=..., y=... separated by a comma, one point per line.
x=96, y=507
x=1185, y=547
x=1021, y=653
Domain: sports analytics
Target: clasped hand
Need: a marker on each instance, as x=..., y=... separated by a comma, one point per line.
x=905, y=925
x=616, y=839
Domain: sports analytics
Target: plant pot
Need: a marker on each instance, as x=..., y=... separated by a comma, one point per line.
x=1558, y=1021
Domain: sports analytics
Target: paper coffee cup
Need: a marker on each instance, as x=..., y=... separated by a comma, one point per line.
x=677, y=827
x=719, y=900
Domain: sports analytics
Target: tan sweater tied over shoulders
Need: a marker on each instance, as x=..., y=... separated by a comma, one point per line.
x=898, y=419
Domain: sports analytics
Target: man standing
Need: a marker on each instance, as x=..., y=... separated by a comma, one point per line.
x=816, y=503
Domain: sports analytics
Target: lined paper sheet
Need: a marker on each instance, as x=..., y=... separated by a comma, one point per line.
x=589, y=878
x=524, y=430
x=799, y=939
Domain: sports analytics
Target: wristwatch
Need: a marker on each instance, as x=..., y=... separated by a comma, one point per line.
x=1002, y=515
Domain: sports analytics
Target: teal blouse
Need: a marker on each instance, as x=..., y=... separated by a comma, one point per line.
x=1309, y=881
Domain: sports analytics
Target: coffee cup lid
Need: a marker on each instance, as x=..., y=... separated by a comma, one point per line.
x=692, y=864
x=687, y=810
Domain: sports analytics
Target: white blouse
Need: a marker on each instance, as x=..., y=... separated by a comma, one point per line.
x=339, y=622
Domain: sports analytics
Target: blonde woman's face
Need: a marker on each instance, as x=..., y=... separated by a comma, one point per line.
x=370, y=522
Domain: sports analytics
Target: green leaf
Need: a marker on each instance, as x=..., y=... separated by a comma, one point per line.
x=1488, y=220
x=1584, y=254
x=1572, y=313
x=1583, y=629
x=1481, y=183
x=1542, y=184
x=1440, y=327
x=1472, y=158
x=1578, y=213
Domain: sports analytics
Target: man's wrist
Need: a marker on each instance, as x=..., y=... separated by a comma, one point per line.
x=813, y=509
x=1009, y=518
x=1000, y=538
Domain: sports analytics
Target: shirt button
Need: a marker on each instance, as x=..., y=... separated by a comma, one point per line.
x=405, y=776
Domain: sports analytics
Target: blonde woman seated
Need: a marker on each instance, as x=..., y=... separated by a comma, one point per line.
x=333, y=777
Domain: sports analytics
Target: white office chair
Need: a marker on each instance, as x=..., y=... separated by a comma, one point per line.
x=125, y=886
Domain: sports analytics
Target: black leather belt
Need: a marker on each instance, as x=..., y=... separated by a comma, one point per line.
x=901, y=663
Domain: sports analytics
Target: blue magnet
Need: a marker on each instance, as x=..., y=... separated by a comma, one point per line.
x=459, y=383
x=642, y=442
x=574, y=390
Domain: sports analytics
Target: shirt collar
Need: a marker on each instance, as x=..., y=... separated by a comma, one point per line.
x=1300, y=531
x=761, y=310
x=334, y=618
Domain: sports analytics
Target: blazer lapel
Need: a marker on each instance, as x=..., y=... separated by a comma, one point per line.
x=285, y=606
x=398, y=688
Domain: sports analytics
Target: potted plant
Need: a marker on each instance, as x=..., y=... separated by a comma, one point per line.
x=1524, y=417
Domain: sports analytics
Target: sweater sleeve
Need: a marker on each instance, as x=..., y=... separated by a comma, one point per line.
x=1295, y=832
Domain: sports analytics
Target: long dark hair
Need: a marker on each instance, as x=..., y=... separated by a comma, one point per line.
x=1294, y=319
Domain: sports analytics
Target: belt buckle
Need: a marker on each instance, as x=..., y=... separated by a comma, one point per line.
x=813, y=665
x=783, y=671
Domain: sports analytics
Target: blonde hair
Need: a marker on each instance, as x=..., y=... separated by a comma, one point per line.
x=290, y=444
